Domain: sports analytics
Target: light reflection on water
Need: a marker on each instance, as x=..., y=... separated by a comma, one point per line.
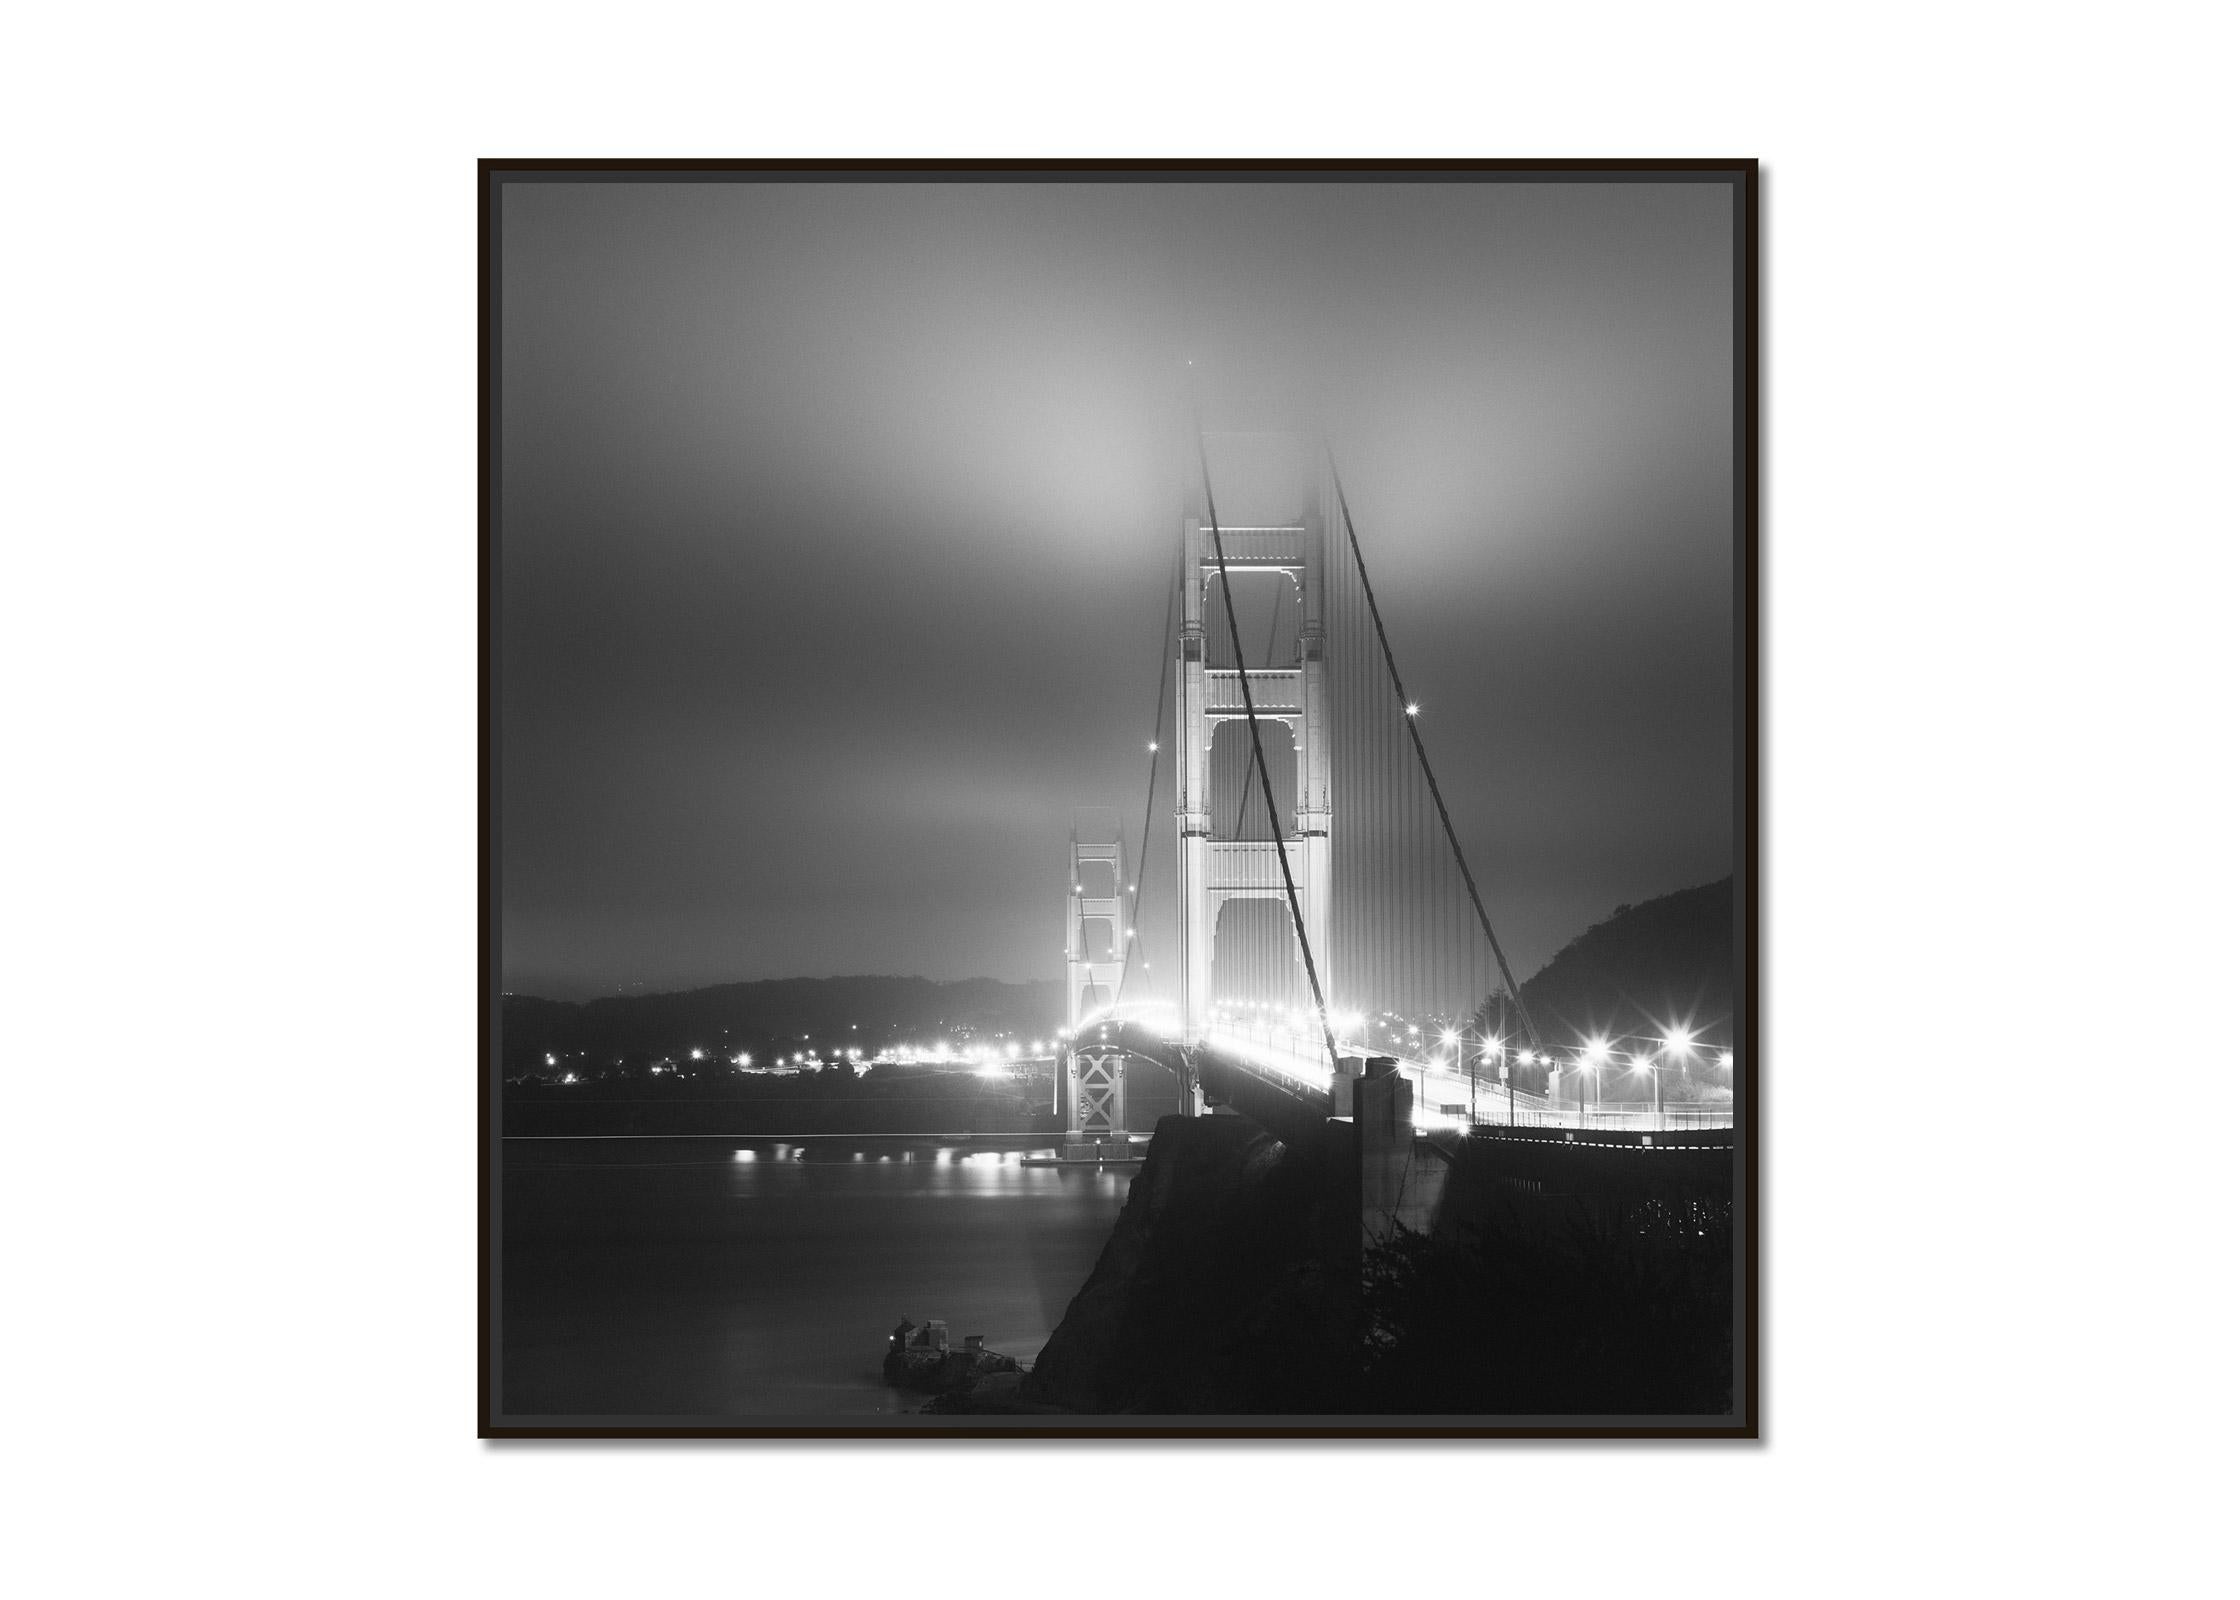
x=760, y=1277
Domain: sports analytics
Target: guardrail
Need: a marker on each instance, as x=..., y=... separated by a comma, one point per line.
x=1612, y=1121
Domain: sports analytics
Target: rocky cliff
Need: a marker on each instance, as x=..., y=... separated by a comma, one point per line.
x=1226, y=1286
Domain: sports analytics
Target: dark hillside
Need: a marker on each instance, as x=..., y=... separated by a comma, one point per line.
x=1668, y=960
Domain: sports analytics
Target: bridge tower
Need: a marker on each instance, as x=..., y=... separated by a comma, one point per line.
x=1215, y=869
x=1092, y=1088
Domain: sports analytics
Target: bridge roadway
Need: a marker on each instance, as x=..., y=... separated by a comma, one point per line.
x=1282, y=1080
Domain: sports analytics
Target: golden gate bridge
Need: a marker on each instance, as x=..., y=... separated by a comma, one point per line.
x=1328, y=927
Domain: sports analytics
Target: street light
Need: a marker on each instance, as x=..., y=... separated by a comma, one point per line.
x=1493, y=1053
x=1679, y=1042
x=1598, y=1051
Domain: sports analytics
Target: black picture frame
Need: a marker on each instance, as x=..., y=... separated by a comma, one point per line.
x=1744, y=1423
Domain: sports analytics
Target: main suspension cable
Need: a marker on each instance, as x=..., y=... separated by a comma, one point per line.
x=1244, y=795
x=1259, y=756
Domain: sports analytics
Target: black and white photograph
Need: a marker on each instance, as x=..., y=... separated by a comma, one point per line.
x=1119, y=799
x=1227, y=800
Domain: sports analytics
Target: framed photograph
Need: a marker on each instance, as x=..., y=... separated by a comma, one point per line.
x=1119, y=798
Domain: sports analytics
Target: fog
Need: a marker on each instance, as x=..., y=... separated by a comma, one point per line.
x=838, y=518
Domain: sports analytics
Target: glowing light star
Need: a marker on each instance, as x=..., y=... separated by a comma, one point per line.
x=1641, y=1063
x=1450, y=1038
x=1726, y=1059
x=698, y=1054
x=1598, y=1049
x=1413, y=708
x=1154, y=747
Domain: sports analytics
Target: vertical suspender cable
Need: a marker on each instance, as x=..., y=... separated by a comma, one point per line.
x=1151, y=794
x=1485, y=923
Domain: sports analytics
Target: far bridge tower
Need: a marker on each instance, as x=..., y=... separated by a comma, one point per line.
x=1092, y=1083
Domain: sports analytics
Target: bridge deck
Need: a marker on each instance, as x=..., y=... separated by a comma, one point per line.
x=1279, y=1076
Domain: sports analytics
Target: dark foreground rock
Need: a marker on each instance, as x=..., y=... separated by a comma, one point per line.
x=922, y=1358
x=999, y=1395
x=1226, y=1286
x=1555, y=1279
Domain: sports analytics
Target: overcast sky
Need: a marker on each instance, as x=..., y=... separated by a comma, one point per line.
x=837, y=521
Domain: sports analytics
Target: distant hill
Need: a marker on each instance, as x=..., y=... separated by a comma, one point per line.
x=1669, y=960
x=833, y=1012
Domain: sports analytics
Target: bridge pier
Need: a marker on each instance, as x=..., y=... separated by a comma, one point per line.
x=1401, y=1183
x=1096, y=1094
